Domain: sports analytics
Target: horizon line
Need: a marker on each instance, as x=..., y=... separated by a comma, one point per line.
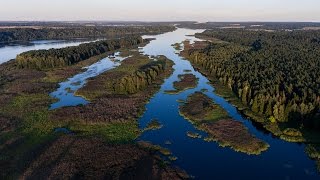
x=168, y=21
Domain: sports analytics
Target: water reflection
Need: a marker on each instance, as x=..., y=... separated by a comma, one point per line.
x=9, y=51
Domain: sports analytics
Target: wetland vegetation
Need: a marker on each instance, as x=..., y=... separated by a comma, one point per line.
x=211, y=118
x=29, y=127
x=187, y=81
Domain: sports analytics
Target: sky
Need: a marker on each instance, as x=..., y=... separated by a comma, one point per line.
x=160, y=10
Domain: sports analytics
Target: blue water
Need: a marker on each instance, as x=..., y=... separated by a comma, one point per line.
x=9, y=51
x=65, y=94
x=206, y=160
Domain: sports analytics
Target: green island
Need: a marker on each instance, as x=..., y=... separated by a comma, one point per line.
x=177, y=46
x=186, y=81
x=211, y=118
x=30, y=147
x=154, y=124
x=193, y=135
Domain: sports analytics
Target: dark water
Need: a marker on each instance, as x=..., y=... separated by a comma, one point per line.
x=65, y=92
x=206, y=160
x=9, y=51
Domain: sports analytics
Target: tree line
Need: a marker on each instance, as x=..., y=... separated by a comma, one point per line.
x=46, y=59
x=28, y=34
x=140, y=79
x=277, y=74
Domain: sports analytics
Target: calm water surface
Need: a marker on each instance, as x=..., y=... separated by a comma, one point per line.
x=65, y=93
x=206, y=160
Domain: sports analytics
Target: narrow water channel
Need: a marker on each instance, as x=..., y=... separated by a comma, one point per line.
x=65, y=94
x=206, y=160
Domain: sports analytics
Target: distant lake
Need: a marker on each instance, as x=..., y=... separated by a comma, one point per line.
x=9, y=51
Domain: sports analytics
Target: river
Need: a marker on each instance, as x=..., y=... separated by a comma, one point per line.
x=206, y=160
x=203, y=160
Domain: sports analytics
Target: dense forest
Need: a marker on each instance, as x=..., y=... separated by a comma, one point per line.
x=250, y=25
x=140, y=79
x=277, y=74
x=27, y=34
x=44, y=59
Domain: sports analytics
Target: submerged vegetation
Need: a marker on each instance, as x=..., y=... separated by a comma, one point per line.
x=211, y=118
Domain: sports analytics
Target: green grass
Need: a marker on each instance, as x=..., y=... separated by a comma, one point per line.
x=113, y=133
x=217, y=114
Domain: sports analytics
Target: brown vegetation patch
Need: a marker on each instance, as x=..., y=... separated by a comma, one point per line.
x=197, y=107
x=7, y=124
x=232, y=133
x=195, y=46
x=110, y=102
x=211, y=118
x=187, y=81
x=111, y=108
x=76, y=157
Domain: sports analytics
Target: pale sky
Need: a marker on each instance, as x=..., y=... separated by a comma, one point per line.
x=161, y=10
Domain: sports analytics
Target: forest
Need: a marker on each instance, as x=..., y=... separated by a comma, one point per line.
x=57, y=33
x=276, y=74
x=45, y=59
x=250, y=25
